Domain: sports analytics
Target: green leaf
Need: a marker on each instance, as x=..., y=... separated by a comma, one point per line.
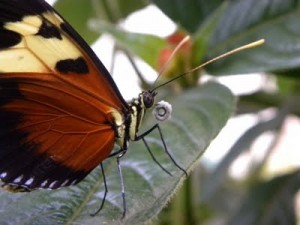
x=213, y=183
x=79, y=12
x=291, y=73
x=203, y=35
x=145, y=46
x=198, y=116
x=249, y=20
x=261, y=100
x=189, y=14
x=270, y=202
x=243, y=21
x=127, y=7
x=288, y=82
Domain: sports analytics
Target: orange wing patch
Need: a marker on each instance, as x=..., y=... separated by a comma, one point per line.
x=63, y=122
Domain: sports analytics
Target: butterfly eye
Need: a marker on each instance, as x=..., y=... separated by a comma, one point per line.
x=162, y=111
x=148, y=98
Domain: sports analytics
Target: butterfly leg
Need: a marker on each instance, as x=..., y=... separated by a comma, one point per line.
x=105, y=192
x=142, y=136
x=153, y=157
x=122, y=181
x=116, y=153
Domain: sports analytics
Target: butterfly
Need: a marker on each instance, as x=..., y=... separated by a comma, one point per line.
x=60, y=110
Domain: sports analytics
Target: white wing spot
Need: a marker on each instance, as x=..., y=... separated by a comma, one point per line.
x=64, y=183
x=53, y=184
x=74, y=182
x=3, y=175
x=18, y=179
x=44, y=183
x=29, y=181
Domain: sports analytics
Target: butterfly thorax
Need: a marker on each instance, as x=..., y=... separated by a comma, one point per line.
x=127, y=129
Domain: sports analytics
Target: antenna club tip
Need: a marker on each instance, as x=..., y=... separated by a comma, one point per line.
x=255, y=43
x=261, y=41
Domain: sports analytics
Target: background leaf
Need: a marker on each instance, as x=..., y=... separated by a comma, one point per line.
x=241, y=145
x=198, y=116
x=270, y=202
x=246, y=21
x=188, y=14
x=78, y=13
x=242, y=22
x=145, y=46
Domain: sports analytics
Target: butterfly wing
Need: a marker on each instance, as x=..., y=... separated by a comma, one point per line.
x=58, y=103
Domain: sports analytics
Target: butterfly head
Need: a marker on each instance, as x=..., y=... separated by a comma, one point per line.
x=147, y=98
x=162, y=110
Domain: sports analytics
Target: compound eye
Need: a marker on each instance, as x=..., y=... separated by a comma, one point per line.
x=148, y=98
x=162, y=111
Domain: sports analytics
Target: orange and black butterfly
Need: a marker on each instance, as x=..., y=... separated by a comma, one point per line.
x=60, y=111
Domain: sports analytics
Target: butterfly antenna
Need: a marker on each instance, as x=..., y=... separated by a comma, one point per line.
x=165, y=66
x=244, y=47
